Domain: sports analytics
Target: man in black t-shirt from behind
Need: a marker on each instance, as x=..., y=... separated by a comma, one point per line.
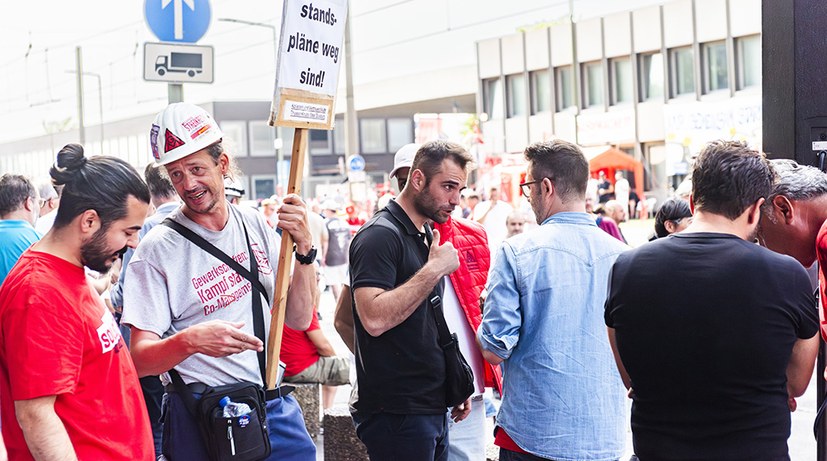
x=400, y=411
x=713, y=334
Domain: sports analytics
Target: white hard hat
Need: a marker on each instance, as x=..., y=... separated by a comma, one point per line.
x=180, y=130
x=404, y=157
x=233, y=188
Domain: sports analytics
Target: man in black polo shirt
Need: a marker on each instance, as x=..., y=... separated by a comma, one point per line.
x=394, y=268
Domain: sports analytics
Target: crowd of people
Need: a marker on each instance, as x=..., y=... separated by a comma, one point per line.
x=127, y=299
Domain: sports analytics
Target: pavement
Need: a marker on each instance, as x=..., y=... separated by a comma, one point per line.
x=801, y=443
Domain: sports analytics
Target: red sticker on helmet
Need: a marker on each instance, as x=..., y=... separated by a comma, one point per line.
x=172, y=141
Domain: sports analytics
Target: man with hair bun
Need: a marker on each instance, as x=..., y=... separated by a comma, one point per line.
x=68, y=387
x=191, y=312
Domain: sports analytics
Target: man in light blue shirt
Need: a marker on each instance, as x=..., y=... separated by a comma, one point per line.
x=19, y=209
x=543, y=320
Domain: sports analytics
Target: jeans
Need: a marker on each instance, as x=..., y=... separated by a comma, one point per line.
x=289, y=439
x=468, y=436
x=389, y=436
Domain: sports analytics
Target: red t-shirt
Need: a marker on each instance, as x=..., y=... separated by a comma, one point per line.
x=503, y=440
x=57, y=338
x=297, y=351
x=821, y=254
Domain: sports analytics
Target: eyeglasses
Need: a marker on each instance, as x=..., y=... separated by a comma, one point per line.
x=527, y=190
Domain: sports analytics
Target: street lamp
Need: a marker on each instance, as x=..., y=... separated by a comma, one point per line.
x=279, y=151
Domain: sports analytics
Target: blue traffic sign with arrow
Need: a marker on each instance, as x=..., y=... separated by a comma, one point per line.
x=183, y=21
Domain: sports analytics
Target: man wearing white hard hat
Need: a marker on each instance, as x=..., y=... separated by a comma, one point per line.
x=193, y=313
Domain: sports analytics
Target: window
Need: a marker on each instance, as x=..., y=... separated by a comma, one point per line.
x=593, y=84
x=374, y=140
x=262, y=136
x=516, y=95
x=682, y=71
x=235, y=137
x=263, y=186
x=492, y=93
x=716, y=75
x=400, y=132
x=748, y=51
x=621, y=80
x=651, y=76
x=319, y=142
x=540, y=91
x=564, y=87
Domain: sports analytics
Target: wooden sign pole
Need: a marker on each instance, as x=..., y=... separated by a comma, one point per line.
x=285, y=261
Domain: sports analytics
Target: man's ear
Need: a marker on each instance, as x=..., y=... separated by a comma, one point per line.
x=416, y=178
x=89, y=222
x=784, y=207
x=754, y=211
x=548, y=187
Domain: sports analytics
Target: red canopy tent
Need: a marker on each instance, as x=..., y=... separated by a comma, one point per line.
x=615, y=159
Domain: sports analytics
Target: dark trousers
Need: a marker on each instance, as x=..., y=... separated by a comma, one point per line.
x=508, y=455
x=404, y=437
x=153, y=395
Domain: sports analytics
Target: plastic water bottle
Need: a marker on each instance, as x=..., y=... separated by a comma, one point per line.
x=233, y=409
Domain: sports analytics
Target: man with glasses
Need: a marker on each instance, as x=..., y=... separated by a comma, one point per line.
x=19, y=209
x=562, y=396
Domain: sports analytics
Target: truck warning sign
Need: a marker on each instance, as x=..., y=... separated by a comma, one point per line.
x=165, y=62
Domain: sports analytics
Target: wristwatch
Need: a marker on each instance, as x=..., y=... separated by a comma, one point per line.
x=305, y=259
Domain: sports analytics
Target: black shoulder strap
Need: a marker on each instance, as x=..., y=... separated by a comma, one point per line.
x=211, y=249
x=435, y=301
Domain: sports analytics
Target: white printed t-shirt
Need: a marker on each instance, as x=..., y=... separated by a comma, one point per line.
x=172, y=284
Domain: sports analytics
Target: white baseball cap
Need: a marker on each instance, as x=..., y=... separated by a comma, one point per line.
x=331, y=204
x=180, y=130
x=404, y=157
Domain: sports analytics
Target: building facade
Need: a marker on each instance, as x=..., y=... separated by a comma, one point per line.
x=657, y=82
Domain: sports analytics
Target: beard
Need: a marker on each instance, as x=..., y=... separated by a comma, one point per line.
x=425, y=205
x=95, y=253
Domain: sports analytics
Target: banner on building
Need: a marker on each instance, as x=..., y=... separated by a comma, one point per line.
x=307, y=70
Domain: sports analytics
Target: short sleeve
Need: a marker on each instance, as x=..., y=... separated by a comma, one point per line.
x=374, y=254
x=144, y=308
x=44, y=347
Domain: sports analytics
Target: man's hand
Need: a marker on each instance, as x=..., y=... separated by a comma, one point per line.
x=461, y=411
x=444, y=257
x=219, y=338
x=292, y=216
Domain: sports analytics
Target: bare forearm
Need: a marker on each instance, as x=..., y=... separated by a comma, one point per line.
x=800, y=368
x=343, y=319
x=624, y=375
x=152, y=358
x=44, y=432
x=300, y=296
x=387, y=309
